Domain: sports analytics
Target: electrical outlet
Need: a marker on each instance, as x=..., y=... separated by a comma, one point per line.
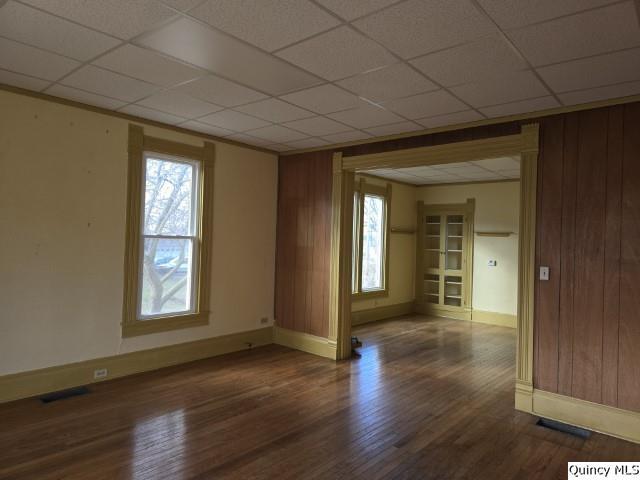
x=100, y=373
x=264, y=320
x=492, y=263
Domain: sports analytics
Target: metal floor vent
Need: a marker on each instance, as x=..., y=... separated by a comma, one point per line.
x=62, y=394
x=564, y=428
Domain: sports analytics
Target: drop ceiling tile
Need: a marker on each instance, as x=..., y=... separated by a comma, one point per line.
x=146, y=65
x=84, y=97
x=352, y=136
x=366, y=116
x=589, y=33
x=394, y=128
x=403, y=177
x=600, y=93
x=123, y=19
x=441, y=180
x=510, y=173
x=379, y=172
x=182, y=5
x=517, y=13
x=308, y=143
x=466, y=170
x=593, y=72
x=354, y=8
x=323, y=99
x=180, y=104
x=484, y=59
x=501, y=163
x=449, y=166
x=39, y=29
x=387, y=83
x=317, y=126
x=277, y=134
x=426, y=105
x=524, y=106
x=109, y=84
x=22, y=81
x=268, y=25
x=416, y=27
x=279, y=148
x=19, y=58
x=248, y=139
x=206, y=128
x=274, y=110
x=326, y=55
x=450, y=119
x=232, y=120
x=480, y=176
x=152, y=114
x=219, y=91
x=200, y=45
x=514, y=86
x=422, y=171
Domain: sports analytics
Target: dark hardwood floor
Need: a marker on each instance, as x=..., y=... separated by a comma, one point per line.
x=430, y=398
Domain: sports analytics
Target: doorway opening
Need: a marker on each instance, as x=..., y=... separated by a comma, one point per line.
x=443, y=266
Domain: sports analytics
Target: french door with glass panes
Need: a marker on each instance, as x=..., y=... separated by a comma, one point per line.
x=444, y=256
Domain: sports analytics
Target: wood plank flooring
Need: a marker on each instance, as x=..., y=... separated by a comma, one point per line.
x=430, y=398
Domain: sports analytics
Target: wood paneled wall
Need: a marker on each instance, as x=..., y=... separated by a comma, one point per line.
x=587, y=314
x=303, y=243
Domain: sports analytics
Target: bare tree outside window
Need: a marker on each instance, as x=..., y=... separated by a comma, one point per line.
x=372, y=242
x=169, y=236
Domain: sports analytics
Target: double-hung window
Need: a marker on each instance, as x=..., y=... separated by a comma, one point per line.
x=168, y=235
x=370, y=265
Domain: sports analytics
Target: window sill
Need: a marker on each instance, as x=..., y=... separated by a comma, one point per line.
x=370, y=294
x=146, y=327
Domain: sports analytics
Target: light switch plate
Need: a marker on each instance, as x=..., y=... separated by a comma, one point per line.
x=544, y=273
x=492, y=263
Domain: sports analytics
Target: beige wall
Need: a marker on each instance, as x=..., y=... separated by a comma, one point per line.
x=495, y=289
x=62, y=222
x=402, y=253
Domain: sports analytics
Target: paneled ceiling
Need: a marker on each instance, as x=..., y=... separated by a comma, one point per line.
x=293, y=74
x=491, y=169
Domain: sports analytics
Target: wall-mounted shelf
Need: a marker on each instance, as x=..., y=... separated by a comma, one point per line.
x=494, y=234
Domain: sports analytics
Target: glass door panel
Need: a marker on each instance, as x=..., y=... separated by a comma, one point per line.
x=454, y=242
x=432, y=241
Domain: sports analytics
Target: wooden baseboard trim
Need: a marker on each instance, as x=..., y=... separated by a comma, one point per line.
x=381, y=313
x=612, y=421
x=38, y=382
x=456, y=313
x=305, y=342
x=494, y=318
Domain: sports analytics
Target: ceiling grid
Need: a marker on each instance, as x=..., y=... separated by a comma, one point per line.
x=293, y=74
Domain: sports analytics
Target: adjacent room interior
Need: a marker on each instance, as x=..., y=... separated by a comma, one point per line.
x=448, y=245
x=318, y=238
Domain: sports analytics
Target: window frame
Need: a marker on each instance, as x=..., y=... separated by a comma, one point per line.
x=362, y=189
x=140, y=148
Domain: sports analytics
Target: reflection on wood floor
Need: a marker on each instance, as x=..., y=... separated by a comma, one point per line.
x=430, y=398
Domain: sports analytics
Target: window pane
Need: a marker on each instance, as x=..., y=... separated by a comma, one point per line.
x=355, y=243
x=166, y=276
x=168, y=195
x=372, y=242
